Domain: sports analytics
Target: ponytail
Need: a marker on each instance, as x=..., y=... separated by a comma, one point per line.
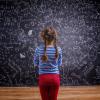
x=44, y=57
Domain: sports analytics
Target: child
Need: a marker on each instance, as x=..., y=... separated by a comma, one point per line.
x=48, y=59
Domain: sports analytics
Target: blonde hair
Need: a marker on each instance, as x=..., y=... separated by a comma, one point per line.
x=49, y=35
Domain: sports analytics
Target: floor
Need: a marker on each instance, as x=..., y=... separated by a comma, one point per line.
x=65, y=93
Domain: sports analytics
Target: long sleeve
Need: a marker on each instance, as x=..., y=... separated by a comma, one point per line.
x=60, y=58
x=36, y=57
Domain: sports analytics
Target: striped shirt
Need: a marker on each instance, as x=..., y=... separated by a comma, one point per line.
x=51, y=65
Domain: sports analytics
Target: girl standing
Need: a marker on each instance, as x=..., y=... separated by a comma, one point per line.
x=48, y=59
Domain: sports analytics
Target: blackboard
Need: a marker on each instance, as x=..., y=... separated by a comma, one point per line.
x=78, y=25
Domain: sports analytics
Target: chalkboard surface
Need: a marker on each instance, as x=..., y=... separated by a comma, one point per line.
x=78, y=24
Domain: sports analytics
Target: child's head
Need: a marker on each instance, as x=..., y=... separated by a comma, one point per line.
x=49, y=36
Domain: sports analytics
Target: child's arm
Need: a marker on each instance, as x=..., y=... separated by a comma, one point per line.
x=60, y=67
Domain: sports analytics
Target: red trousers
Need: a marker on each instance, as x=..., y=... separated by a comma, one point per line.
x=49, y=86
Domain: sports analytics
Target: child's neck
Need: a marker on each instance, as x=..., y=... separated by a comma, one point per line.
x=50, y=45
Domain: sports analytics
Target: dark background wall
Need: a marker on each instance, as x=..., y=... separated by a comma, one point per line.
x=78, y=24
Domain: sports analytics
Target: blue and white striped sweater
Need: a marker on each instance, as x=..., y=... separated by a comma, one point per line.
x=51, y=66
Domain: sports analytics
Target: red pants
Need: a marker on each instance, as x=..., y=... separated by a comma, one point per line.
x=49, y=86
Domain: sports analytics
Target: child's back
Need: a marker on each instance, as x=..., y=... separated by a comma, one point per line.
x=51, y=65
